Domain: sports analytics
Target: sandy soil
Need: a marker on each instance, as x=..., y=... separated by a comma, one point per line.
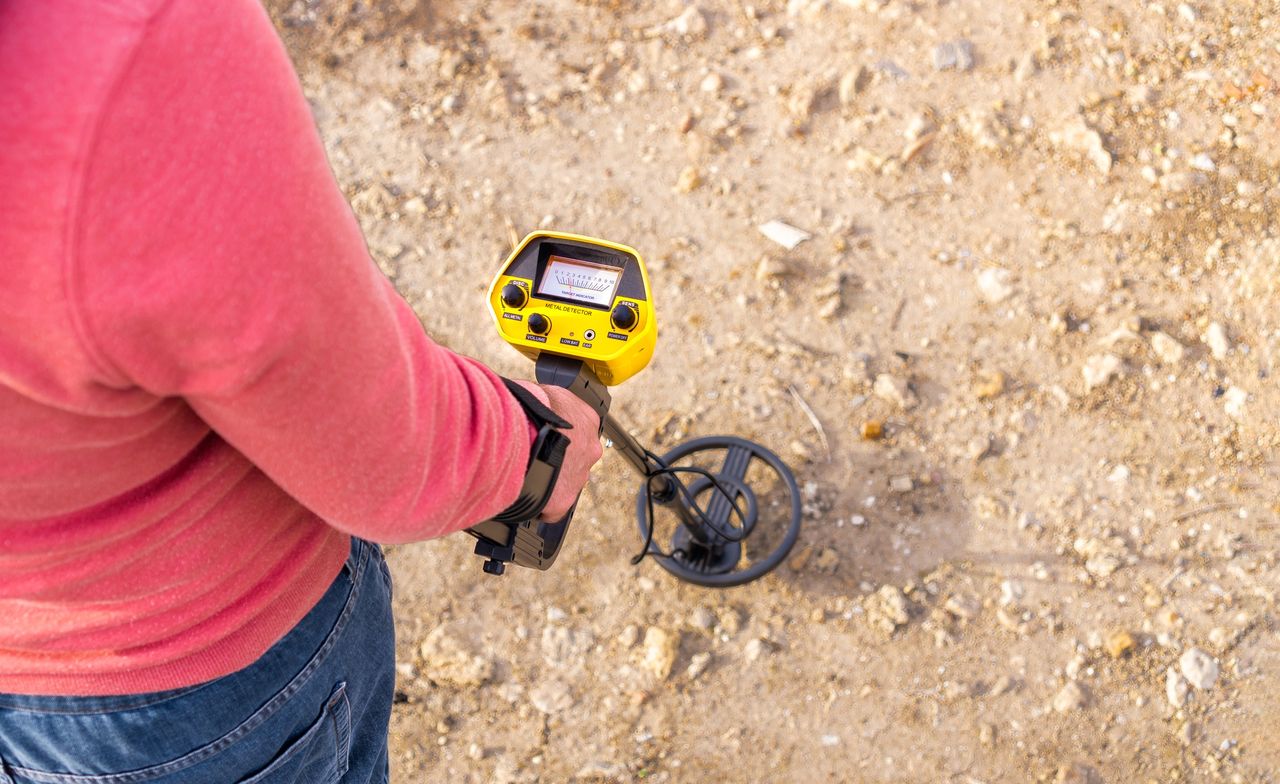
x=1043, y=259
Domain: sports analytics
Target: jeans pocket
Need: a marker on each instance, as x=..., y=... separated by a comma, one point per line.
x=321, y=755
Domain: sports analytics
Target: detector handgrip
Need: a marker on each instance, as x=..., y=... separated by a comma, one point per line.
x=517, y=535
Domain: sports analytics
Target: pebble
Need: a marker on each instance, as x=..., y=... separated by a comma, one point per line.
x=1011, y=592
x=852, y=82
x=629, y=636
x=894, y=390
x=990, y=384
x=784, y=234
x=702, y=619
x=712, y=83
x=771, y=270
x=698, y=664
x=965, y=608
x=446, y=661
x=755, y=648
x=1215, y=337
x=1100, y=369
x=1070, y=698
x=888, y=609
x=606, y=771
x=1076, y=773
x=1079, y=137
x=872, y=430
x=1199, y=668
x=828, y=561
x=957, y=55
x=1169, y=350
x=1233, y=402
x=901, y=484
x=993, y=285
x=658, y=653
x=689, y=180
x=691, y=23
x=1175, y=688
x=987, y=734
x=1119, y=643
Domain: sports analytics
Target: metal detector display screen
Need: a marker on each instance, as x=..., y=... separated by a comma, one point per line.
x=579, y=281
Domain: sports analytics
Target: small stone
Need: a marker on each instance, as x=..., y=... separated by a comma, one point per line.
x=658, y=653
x=447, y=662
x=1070, y=698
x=689, y=180
x=800, y=559
x=857, y=521
x=629, y=636
x=1202, y=162
x=853, y=82
x=894, y=390
x=901, y=484
x=1175, y=688
x=987, y=734
x=1100, y=369
x=993, y=285
x=989, y=384
x=888, y=609
x=872, y=430
x=1169, y=350
x=784, y=234
x=1079, y=137
x=712, y=83
x=956, y=55
x=980, y=447
x=730, y=621
x=755, y=648
x=1215, y=337
x=698, y=664
x=1199, y=668
x=1003, y=685
x=1233, y=402
x=1011, y=592
x=966, y=608
x=1120, y=474
x=552, y=696
x=827, y=562
x=702, y=619
x=771, y=269
x=1119, y=643
x=692, y=23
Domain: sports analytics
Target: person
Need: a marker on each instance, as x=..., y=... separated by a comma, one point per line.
x=211, y=405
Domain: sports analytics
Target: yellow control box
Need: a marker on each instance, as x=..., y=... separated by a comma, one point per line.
x=577, y=297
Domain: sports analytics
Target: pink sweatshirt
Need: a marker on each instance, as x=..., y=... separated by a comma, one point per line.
x=205, y=383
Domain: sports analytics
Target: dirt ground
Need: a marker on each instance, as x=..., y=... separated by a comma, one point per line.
x=1042, y=259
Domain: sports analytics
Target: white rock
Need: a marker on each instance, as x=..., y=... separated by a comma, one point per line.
x=692, y=23
x=1100, y=369
x=1078, y=136
x=1119, y=474
x=658, y=653
x=754, y=649
x=993, y=285
x=1204, y=163
x=698, y=664
x=1215, y=337
x=1233, y=402
x=1011, y=592
x=1169, y=350
x=702, y=618
x=1175, y=688
x=784, y=234
x=1199, y=668
x=1070, y=698
x=894, y=390
x=712, y=83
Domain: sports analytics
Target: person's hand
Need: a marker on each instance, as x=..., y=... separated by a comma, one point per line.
x=584, y=446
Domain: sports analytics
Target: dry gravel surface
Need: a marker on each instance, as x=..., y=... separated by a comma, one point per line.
x=1020, y=353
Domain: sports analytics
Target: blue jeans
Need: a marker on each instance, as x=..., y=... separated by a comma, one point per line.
x=313, y=709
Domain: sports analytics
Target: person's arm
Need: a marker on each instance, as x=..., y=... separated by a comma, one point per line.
x=214, y=258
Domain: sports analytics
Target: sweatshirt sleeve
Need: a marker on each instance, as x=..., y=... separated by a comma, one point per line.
x=214, y=258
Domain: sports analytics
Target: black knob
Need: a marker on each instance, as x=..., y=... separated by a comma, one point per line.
x=539, y=324
x=513, y=296
x=624, y=317
x=494, y=566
